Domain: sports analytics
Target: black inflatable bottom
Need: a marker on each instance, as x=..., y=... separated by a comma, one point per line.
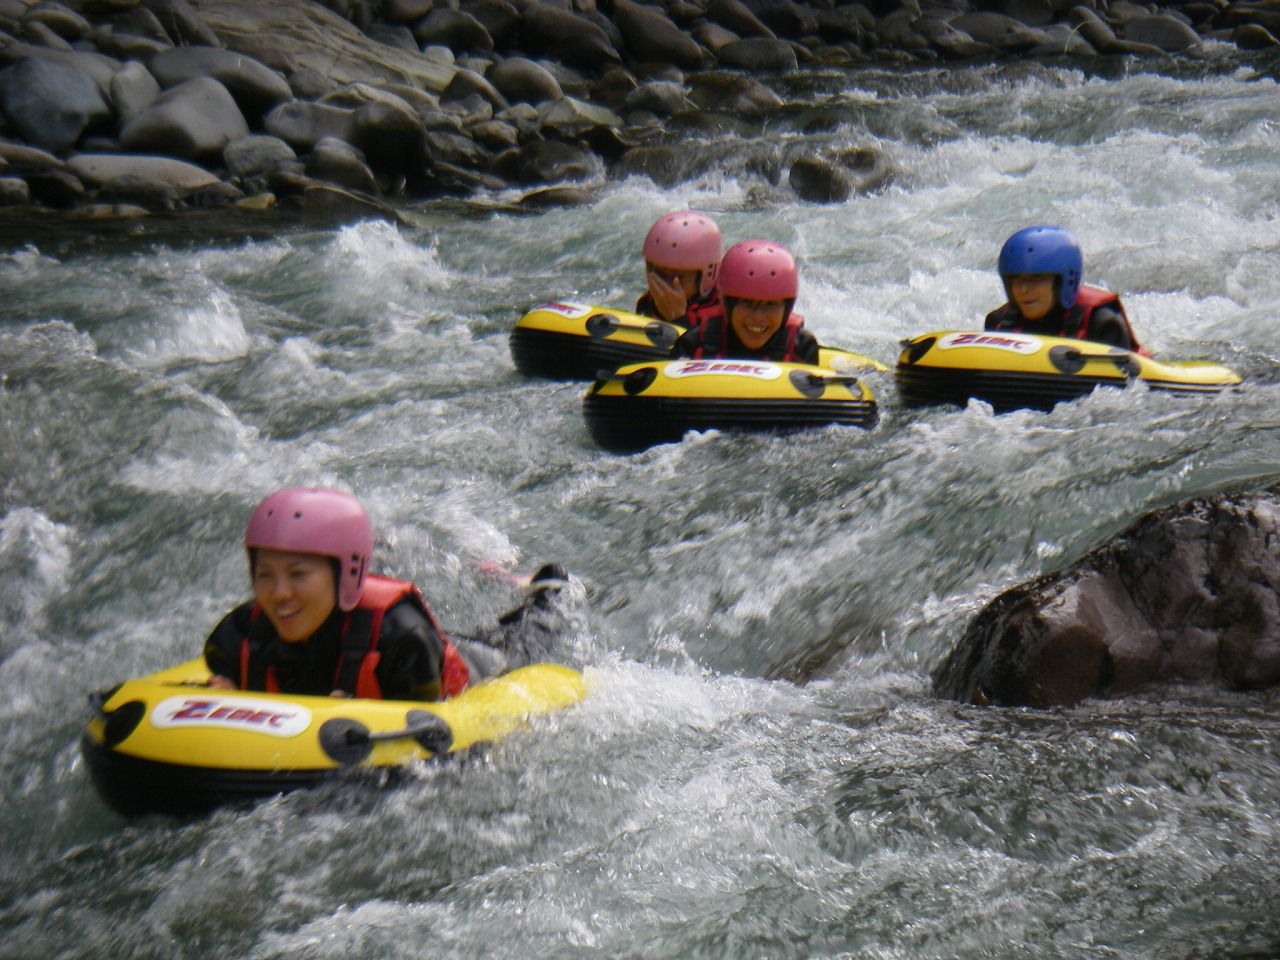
x=562, y=356
x=633, y=423
x=133, y=786
x=1005, y=391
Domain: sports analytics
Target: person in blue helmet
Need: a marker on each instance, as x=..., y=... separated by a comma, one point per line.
x=1042, y=269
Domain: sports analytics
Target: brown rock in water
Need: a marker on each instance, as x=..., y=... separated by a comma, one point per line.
x=1189, y=594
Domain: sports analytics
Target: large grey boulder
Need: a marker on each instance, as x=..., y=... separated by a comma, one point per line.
x=651, y=35
x=557, y=33
x=255, y=87
x=195, y=120
x=294, y=35
x=51, y=104
x=759, y=53
x=521, y=80
x=1189, y=594
x=133, y=90
x=302, y=124
x=97, y=169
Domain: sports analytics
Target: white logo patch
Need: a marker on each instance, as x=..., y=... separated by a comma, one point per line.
x=271, y=717
x=1013, y=342
x=755, y=369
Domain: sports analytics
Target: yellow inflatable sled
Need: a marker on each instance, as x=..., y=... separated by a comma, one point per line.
x=657, y=402
x=573, y=341
x=1014, y=370
x=169, y=743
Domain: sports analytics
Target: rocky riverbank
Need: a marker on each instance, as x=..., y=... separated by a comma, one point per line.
x=118, y=109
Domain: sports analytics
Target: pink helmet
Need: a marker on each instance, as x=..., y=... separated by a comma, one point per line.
x=759, y=270
x=317, y=520
x=686, y=240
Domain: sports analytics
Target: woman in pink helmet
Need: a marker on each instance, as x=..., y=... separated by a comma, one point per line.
x=681, y=255
x=320, y=623
x=758, y=285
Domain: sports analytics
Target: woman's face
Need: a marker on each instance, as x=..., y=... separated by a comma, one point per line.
x=1033, y=294
x=296, y=591
x=755, y=321
x=686, y=281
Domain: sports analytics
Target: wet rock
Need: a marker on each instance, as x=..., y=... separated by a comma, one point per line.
x=499, y=17
x=55, y=188
x=133, y=90
x=62, y=21
x=182, y=23
x=570, y=117
x=140, y=22
x=734, y=15
x=42, y=36
x=521, y=80
x=14, y=192
x=494, y=134
x=406, y=11
x=1251, y=36
x=1093, y=28
x=834, y=176
x=106, y=211
x=336, y=161
x=301, y=124
x=256, y=155
x=548, y=161
x=140, y=191
x=454, y=29
x=256, y=88
x=1167, y=33
x=95, y=65
x=97, y=169
x=468, y=82
x=733, y=94
x=127, y=46
x=326, y=204
x=51, y=104
x=194, y=120
x=560, y=34
x=20, y=156
x=952, y=43
x=997, y=30
x=1189, y=594
x=661, y=99
x=652, y=36
x=1034, y=13
x=713, y=36
x=293, y=35
x=759, y=53
x=393, y=139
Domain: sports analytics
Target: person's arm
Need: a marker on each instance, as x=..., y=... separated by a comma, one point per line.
x=997, y=319
x=806, y=347
x=1106, y=325
x=687, y=343
x=412, y=655
x=222, y=648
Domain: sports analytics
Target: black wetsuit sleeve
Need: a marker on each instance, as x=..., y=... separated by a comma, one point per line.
x=806, y=347
x=1106, y=325
x=997, y=319
x=687, y=343
x=222, y=648
x=646, y=307
x=412, y=655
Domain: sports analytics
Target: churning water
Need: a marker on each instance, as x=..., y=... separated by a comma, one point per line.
x=759, y=769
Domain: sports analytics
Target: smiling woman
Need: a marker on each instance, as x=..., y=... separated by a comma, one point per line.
x=320, y=623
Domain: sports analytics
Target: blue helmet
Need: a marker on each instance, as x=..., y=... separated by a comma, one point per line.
x=1045, y=250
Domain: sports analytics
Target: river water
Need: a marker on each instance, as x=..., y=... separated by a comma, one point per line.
x=759, y=769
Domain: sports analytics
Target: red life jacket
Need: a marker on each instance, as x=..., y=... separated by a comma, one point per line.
x=361, y=628
x=714, y=341
x=1075, y=322
x=695, y=313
